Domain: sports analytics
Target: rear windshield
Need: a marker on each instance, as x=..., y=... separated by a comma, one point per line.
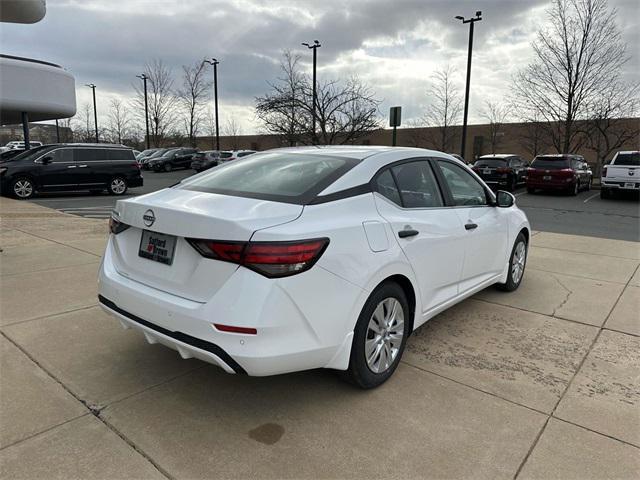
x=281, y=177
x=226, y=154
x=632, y=158
x=551, y=163
x=491, y=162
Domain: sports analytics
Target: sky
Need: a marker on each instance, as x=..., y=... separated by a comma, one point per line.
x=392, y=45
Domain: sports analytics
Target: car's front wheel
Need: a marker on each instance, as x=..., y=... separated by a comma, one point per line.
x=168, y=167
x=517, y=263
x=22, y=188
x=379, y=337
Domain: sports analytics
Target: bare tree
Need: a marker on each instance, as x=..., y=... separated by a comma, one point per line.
x=533, y=136
x=345, y=111
x=162, y=101
x=280, y=111
x=66, y=130
x=444, y=109
x=611, y=123
x=83, y=124
x=495, y=114
x=576, y=57
x=233, y=131
x=192, y=96
x=119, y=120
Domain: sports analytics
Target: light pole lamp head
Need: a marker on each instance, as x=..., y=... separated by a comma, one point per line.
x=478, y=14
x=213, y=61
x=459, y=17
x=90, y=85
x=142, y=76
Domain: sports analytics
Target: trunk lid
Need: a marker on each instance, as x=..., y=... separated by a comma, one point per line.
x=185, y=213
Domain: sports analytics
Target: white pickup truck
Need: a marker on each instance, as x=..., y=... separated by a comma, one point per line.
x=623, y=173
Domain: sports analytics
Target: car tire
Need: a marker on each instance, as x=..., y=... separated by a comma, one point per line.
x=517, y=264
x=23, y=188
x=588, y=189
x=167, y=167
x=118, y=186
x=575, y=188
x=377, y=332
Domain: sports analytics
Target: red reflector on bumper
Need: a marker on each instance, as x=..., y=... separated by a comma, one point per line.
x=232, y=329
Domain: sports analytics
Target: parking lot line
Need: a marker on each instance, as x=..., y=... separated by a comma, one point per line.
x=592, y=196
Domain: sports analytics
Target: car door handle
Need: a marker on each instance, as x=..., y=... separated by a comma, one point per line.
x=471, y=226
x=82, y=166
x=407, y=233
x=71, y=166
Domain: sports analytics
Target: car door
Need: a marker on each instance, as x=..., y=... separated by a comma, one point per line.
x=92, y=164
x=58, y=170
x=486, y=227
x=431, y=235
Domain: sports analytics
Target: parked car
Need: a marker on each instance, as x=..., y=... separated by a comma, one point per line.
x=342, y=252
x=177, y=158
x=20, y=145
x=561, y=172
x=204, y=160
x=153, y=155
x=504, y=170
x=70, y=166
x=458, y=157
x=621, y=174
x=230, y=155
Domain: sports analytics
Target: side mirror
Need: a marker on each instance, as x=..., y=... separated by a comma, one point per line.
x=505, y=199
x=46, y=160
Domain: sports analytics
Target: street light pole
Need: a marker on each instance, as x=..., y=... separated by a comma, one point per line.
x=314, y=46
x=215, y=63
x=95, y=111
x=146, y=106
x=470, y=21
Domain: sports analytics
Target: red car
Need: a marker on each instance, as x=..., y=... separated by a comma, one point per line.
x=562, y=172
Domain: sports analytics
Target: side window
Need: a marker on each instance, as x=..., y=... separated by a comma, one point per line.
x=386, y=186
x=119, y=154
x=465, y=190
x=417, y=184
x=63, y=155
x=89, y=154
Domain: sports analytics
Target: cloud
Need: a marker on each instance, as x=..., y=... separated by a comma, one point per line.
x=395, y=46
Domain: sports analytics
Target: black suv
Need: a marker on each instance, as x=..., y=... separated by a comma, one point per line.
x=176, y=158
x=70, y=166
x=502, y=170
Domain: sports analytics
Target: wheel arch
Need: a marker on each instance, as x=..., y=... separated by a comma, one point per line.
x=406, y=285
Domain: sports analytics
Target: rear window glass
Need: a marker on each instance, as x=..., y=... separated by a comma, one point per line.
x=491, y=162
x=628, y=159
x=551, y=163
x=281, y=177
x=226, y=154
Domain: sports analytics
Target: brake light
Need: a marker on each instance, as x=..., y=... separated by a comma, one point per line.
x=271, y=259
x=116, y=226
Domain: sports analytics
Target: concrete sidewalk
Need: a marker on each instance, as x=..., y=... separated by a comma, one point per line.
x=540, y=383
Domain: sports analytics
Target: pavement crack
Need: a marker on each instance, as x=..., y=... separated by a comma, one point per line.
x=566, y=298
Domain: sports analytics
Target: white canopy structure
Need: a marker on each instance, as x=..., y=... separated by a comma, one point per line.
x=32, y=90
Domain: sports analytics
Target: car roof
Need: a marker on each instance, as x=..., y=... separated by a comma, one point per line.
x=628, y=151
x=498, y=155
x=351, y=151
x=559, y=155
x=93, y=145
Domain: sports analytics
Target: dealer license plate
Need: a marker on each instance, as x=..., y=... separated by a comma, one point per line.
x=157, y=247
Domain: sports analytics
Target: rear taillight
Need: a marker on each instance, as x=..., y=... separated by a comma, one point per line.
x=116, y=226
x=604, y=171
x=271, y=259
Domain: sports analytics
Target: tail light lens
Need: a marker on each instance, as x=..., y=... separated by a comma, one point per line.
x=604, y=171
x=271, y=259
x=116, y=226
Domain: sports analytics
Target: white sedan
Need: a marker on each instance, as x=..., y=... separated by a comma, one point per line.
x=306, y=258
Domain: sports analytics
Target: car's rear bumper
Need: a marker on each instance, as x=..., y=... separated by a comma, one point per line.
x=296, y=328
x=621, y=185
x=550, y=185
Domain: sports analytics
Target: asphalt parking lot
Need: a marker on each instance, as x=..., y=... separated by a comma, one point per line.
x=540, y=383
x=585, y=214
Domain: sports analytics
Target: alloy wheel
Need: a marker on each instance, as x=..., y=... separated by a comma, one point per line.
x=518, y=262
x=384, y=335
x=118, y=186
x=23, y=188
